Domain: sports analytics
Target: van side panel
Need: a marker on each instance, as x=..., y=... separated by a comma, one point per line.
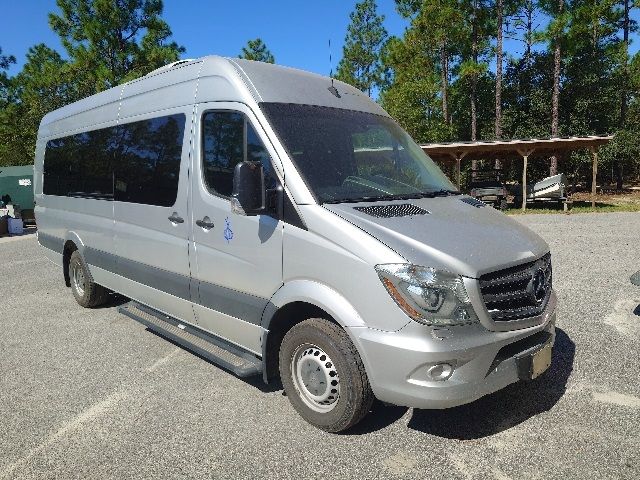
x=86, y=222
x=152, y=250
x=72, y=118
x=174, y=88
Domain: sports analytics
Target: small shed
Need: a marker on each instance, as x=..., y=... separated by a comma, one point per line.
x=17, y=182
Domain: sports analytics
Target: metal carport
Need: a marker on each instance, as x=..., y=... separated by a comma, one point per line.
x=504, y=149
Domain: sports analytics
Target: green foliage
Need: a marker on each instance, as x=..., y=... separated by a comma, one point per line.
x=44, y=84
x=412, y=95
x=111, y=41
x=360, y=65
x=258, y=51
x=107, y=42
x=5, y=61
x=598, y=81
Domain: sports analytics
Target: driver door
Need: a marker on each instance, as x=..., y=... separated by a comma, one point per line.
x=238, y=259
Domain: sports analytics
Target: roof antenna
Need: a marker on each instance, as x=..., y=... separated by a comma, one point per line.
x=332, y=89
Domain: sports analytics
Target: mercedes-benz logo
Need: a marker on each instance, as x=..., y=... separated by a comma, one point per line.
x=538, y=286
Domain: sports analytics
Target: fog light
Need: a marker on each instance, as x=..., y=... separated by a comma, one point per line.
x=440, y=372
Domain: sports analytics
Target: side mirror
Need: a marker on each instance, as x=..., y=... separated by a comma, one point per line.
x=248, y=195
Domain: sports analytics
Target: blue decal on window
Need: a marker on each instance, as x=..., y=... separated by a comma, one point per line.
x=228, y=233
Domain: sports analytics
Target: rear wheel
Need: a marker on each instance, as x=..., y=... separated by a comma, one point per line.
x=323, y=375
x=86, y=292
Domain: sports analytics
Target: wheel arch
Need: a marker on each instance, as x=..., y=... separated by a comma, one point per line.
x=295, y=302
x=72, y=242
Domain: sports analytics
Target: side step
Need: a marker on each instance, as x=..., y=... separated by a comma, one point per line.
x=224, y=354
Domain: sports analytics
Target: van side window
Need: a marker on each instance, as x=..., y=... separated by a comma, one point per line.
x=136, y=162
x=228, y=138
x=81, y=165
x=148, y=164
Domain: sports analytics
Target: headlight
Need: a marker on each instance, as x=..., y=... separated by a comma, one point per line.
x=427, y=295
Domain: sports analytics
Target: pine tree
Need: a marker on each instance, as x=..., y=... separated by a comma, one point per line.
x=5, y=61
x=44, y=84
x=111, y=41
x=440, y=25
x=258, y=51
x=555, y=34
x=361, y=65
x=107, y=42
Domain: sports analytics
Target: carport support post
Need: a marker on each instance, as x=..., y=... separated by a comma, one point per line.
x=525, y=157
x=594, y=156
x=458, y=156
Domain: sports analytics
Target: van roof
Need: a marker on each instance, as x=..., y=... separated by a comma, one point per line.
x=245, y=80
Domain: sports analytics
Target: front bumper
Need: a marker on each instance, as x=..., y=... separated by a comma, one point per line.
x=484, y=361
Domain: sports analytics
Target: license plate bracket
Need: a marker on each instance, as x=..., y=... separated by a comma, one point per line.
x=534, y=364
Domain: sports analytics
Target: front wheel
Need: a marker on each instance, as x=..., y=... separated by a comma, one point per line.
x=323, y=375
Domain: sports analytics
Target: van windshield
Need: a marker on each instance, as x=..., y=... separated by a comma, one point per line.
x=351, y=156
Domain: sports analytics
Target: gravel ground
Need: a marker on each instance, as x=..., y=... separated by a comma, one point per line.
x=92, y=394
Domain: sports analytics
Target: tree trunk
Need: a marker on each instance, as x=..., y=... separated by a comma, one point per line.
x=444, y=60
x=498, y=131
x=555, y=99
x=529, y=13
x=474, y=80
x=624, y=96
x=625, y=46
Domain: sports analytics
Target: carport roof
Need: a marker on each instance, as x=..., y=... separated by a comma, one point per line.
x=509, y=148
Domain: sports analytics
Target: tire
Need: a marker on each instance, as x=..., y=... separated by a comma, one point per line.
x=517, y=202
x=337, y=394
x=87, y=293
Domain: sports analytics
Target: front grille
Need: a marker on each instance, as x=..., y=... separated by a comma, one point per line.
x=518, y=292
x=392, y=210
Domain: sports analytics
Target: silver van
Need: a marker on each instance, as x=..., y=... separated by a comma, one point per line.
x=280, y=223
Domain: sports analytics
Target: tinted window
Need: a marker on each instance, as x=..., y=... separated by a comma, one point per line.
x=346, y=155
x=228, y=138
x=82, y=164
x=148, y=164
x=139, y=162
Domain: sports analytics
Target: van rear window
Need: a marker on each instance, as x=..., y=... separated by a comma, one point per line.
x=137, y=162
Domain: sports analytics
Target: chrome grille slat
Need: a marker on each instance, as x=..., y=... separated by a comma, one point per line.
x=504, y=296
x=508, y=294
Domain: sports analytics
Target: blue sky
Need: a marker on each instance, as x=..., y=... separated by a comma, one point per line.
x=296, y=31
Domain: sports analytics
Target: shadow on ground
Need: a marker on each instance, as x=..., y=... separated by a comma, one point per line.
x=488, y=415
x=114, y=300
x=484, y=417
x=506, y=408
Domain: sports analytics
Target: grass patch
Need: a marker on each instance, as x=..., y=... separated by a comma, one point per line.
x=578, y=207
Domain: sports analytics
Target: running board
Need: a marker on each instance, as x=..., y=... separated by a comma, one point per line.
x=241, y=363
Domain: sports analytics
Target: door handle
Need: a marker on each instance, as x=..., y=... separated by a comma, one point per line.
x=175, y=218
x=205, y=223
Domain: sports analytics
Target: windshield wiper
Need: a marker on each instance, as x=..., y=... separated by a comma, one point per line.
x=402, y=196
x=445, y=193
x=371, y=198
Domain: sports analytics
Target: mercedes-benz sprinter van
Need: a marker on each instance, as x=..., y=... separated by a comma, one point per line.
x=280, y=223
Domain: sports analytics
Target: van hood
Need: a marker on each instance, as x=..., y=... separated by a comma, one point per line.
x=457, y=233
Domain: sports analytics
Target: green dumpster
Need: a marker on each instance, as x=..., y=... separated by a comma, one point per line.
x=17, y=182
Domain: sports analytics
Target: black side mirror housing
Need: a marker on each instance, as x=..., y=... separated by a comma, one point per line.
x=248, y=196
